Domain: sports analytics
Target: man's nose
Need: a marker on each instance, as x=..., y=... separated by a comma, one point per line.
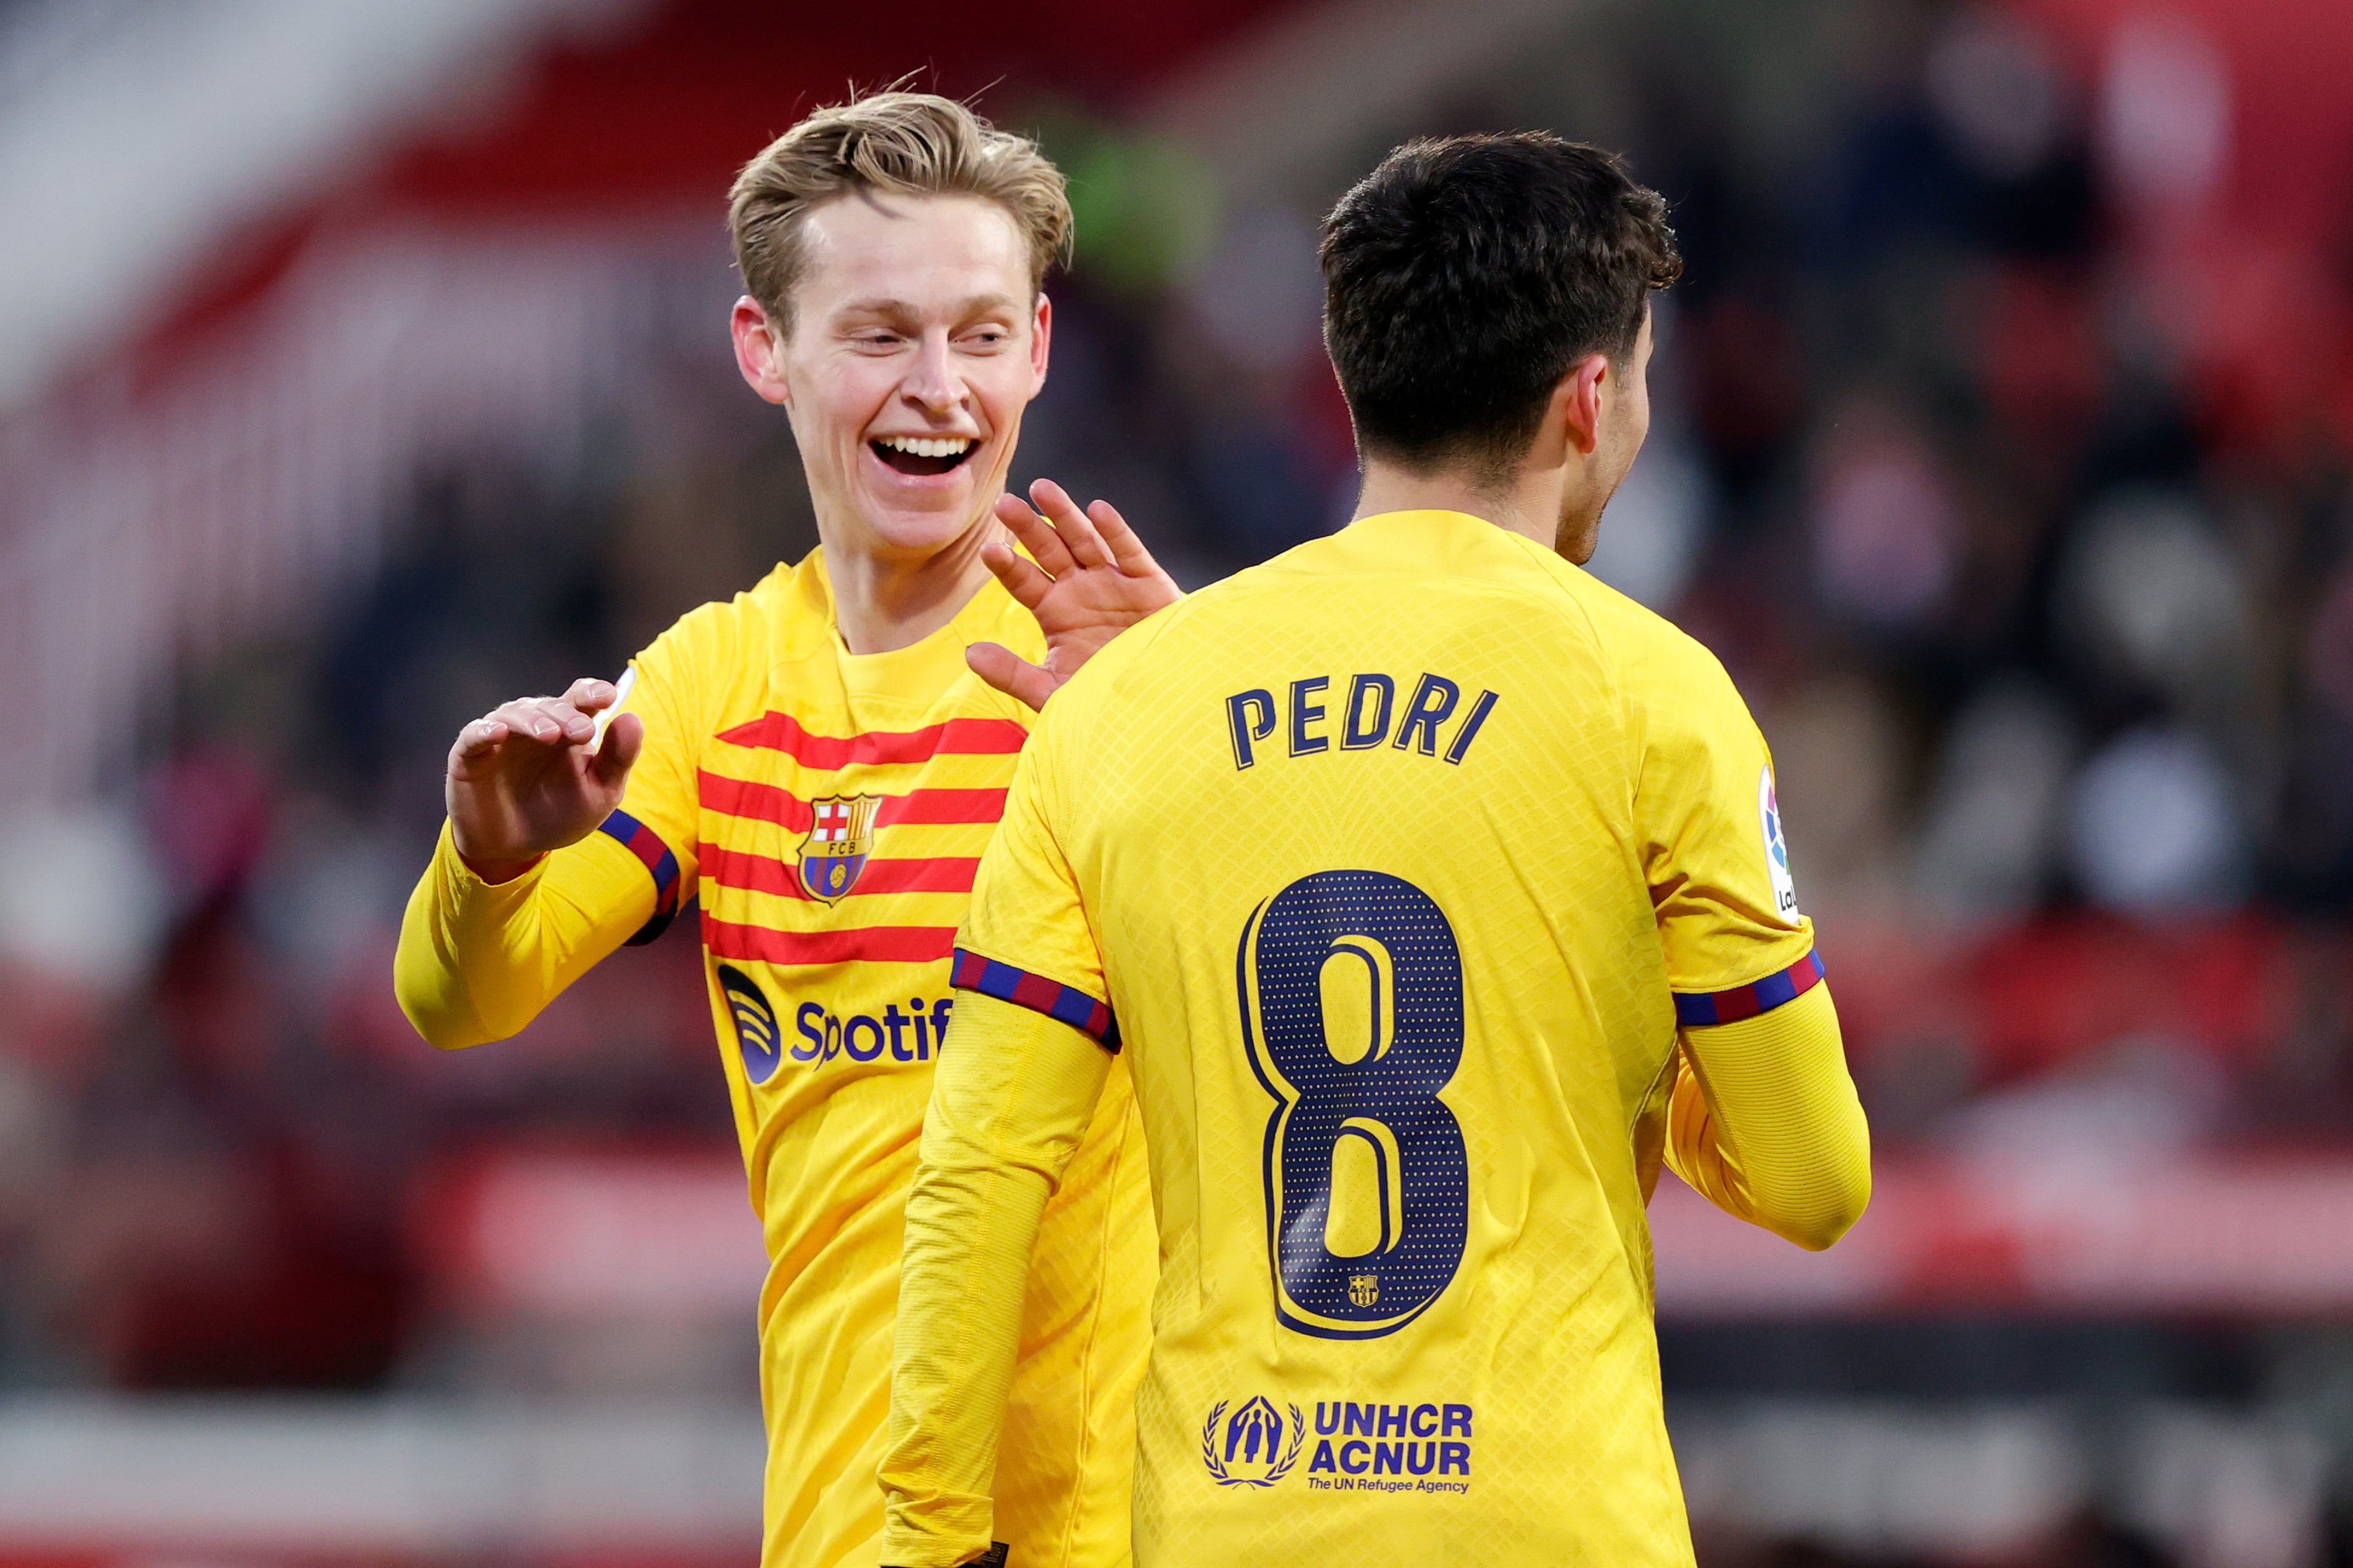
x=931, y=381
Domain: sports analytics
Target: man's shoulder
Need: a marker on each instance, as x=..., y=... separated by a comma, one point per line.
x=1644, y=637
x=1517, y=571
x=1100, y=682
x=1144, y=651
x=780, y=605
x=792, y=596
x=1648, y=658
x=1669, y=681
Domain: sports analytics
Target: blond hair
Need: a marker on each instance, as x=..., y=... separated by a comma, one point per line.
x=899, y=144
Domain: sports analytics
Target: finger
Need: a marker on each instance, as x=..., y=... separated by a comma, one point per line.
x=591, y=695
x=525, y=721
x=551, y=720
x=575, y=727
x=1076, y=529
x=624, y=738
x=481, y=737
x=1010, y=673
x=1021, y=579
x=1126, y=548
x=1036, y=534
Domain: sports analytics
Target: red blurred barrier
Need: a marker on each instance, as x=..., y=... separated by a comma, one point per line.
x=2256, y=1236
x=668, y=1236
x=633, y=1235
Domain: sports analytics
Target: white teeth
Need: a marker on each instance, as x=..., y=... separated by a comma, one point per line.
x=928, y=446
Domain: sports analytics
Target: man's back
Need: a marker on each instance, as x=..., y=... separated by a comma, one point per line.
x=1434, y=888
x=1395, y=852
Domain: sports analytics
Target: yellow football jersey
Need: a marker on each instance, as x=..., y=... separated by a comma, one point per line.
x=829, y=810
x=1394, y=862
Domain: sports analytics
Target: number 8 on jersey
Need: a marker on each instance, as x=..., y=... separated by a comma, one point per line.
x=1351, y=992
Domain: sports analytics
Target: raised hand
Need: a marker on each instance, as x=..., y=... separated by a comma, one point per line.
x=529, y=777
x=1091, y=579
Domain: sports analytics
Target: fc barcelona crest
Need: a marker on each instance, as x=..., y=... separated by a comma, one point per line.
x=839, y=839
x=1364, y=1289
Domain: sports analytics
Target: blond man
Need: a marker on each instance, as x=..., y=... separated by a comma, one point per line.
x=821, y=761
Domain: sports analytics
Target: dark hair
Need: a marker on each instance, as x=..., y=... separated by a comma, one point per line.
x=1463, y=277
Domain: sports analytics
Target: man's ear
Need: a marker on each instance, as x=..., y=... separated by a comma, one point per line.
x=1041, y=333
x=1576, y=402
x=758, y=347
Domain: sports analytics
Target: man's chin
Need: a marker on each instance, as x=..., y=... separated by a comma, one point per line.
x=914, y=516
x=922, y=525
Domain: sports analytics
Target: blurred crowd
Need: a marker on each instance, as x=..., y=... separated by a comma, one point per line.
x=2003, y=451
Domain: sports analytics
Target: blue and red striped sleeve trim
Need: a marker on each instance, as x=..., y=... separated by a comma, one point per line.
x=974, y=972
x=1702, y=1008
x=646, y=845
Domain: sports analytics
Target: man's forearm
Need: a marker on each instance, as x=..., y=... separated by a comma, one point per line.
x=478, y=961
x=971, y=1223
x=1763, y=1122
x=1015, y=1090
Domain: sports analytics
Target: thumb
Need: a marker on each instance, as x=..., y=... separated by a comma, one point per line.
x=1011, y=674
x=625, y=737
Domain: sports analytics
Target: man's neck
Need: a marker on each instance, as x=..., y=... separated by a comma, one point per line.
x=1529, y=506
x=887, y=602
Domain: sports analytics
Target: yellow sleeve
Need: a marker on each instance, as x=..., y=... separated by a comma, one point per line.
x=1708, y=828
x=1025, y=1064
x=476, y=963
x=1014, y=1092
x=1026, y=919
x=1763, y=1122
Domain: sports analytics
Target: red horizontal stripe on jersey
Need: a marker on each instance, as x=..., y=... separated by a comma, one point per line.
x=766, y=874
x=957, y=737
x=744, y=797
x=934, y=874
x=941, y=806
x=859, y=944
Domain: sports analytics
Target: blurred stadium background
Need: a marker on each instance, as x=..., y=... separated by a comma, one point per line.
x=363, y=365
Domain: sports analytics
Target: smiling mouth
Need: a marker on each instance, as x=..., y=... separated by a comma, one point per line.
x=923, y=454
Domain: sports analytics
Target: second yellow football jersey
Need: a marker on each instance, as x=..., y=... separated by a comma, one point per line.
x=1393, y=865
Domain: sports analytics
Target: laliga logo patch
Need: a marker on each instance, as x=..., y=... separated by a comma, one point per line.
x=757, y=1034
x=840, y=837
x=1250, y=1450
x=1776, y=849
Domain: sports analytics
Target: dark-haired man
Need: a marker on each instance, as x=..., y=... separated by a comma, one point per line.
x=1431, y=887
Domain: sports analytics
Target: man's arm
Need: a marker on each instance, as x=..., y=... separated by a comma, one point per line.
x=477, y=960
x=1015, y=1089
x=524, y=893
x=1765, y=1124
x=1763, y=1119
x=1017, y=1084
